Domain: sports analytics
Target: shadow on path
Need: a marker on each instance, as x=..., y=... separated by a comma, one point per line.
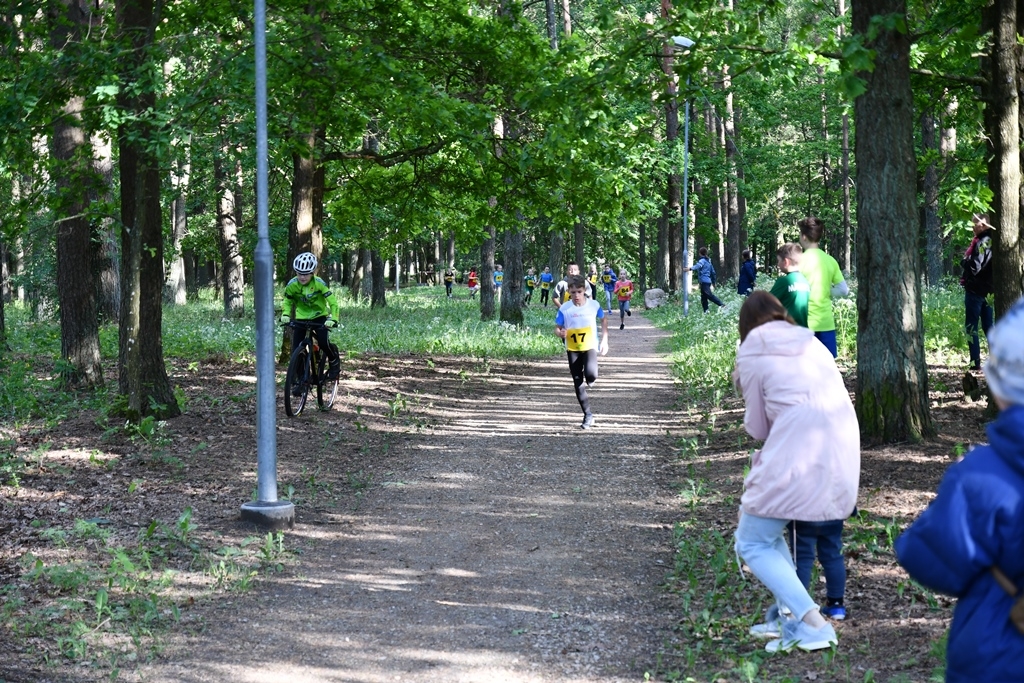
x=506, y=545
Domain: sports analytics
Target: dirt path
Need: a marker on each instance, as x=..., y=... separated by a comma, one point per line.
x=504, y=545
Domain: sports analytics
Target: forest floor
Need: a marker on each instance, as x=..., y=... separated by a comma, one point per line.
x=454, y=524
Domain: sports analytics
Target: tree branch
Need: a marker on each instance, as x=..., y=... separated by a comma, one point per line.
x=387, y=160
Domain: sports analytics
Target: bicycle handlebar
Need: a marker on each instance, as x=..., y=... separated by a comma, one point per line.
x=303, y=324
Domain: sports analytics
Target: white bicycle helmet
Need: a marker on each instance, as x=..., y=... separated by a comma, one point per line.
x=305, y=263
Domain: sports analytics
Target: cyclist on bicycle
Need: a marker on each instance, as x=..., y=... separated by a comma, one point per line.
x=307, y=298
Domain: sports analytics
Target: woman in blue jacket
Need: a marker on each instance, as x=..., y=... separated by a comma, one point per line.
x=974, y=529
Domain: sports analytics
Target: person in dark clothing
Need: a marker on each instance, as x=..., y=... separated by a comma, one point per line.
x=706, y=276
x=977, y=282
x=748, y=274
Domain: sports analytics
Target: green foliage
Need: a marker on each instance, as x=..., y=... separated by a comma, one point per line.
x=703, y=347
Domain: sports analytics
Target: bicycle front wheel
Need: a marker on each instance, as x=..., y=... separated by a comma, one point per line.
x=296, y=383
x=326, y=389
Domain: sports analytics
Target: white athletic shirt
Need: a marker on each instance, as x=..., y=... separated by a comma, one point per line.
x=580, y=323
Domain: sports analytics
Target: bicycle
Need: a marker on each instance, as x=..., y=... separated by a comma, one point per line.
x=308, y=368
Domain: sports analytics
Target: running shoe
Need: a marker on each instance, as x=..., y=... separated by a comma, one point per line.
x=797, y=634
x=837, y=612
x=622, y=326
x=588, y=421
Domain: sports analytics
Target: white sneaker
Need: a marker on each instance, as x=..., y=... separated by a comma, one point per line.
x=797, y=634
x=772, y=626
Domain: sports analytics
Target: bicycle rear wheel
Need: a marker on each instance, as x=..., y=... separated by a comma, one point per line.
x=296, y=382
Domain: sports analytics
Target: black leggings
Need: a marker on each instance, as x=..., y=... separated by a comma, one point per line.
x=544, y=296
x=583, y=367
x=299, y=333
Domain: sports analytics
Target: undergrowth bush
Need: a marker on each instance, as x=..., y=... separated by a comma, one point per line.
x=703, y=346
x=417, y=320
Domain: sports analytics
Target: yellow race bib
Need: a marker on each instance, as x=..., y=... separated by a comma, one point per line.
x=545, y=285
x=580, y=339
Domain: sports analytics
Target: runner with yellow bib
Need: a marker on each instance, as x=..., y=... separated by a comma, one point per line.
x=624, y=292
x=576, y=324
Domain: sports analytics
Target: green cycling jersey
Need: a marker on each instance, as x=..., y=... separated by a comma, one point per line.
x=310, y=300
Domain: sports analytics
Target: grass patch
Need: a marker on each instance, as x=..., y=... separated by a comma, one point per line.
x=110, y=610
x=703, y=346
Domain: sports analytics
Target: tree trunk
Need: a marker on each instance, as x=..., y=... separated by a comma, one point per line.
x=1005, y=164
x=487, y=275
x=557, y=247
x=661, y=262
x=579, y=242
x=232, y=283
x=731, y=257
x=76, y=286
x=306, y=229
x=378, y=299
x=366, y=277
x=512, y=286
x=142, y=377
x=892, y=379
x=930, y=183
x=552, y=23
x=947, y=149
x=106, y=260
x=847, y=259
x=191, y=274
x=174, y=286
x=641, y=275
x=845, y=246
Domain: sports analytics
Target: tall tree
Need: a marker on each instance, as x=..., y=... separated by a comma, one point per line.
x=142, y=377
x=671, y=212
x=487, y=274
x=892, y=379
x=174, y=288
x=512, y=288
x=930, y=209
x=228, y=212
x=1003, y=118
x=76, y=286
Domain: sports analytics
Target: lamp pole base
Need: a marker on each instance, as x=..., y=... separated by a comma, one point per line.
x=271, y=515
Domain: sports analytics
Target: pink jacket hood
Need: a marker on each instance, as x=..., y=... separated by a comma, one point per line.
x=809, y=467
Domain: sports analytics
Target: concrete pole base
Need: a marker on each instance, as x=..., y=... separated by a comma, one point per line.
x=275, y=515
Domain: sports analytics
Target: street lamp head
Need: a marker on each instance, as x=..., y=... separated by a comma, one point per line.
x=682, y=41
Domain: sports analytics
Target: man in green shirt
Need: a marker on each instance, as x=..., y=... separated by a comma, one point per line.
x=826, y=281
x=791, y=288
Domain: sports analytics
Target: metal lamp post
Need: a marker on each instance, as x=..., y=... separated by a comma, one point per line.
x=685, y=43
x=266, y=510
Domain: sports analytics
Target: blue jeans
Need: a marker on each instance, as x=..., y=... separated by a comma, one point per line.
x=825, y=539
x=976, y=308
x=608, y=299
x=829, y=340
x=761, y=543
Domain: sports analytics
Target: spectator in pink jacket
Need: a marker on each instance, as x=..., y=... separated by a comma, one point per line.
x=808, y=469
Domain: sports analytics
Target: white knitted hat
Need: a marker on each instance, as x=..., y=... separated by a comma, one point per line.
x=1005, y=365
